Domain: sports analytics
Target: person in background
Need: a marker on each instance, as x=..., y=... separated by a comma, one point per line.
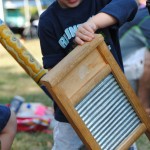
x=8, y=126
x=67, y=23
x=135, y=47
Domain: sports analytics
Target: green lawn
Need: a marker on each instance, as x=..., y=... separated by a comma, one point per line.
x=14, y=81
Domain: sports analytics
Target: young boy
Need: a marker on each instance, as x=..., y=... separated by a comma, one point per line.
x=69, y=22
x=8, y=127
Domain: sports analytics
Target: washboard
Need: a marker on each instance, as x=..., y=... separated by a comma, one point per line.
x=96, y=98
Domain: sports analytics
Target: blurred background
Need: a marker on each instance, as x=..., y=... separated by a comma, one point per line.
x=22, y=16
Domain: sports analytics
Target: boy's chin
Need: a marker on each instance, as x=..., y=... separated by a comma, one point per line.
x=70, y=3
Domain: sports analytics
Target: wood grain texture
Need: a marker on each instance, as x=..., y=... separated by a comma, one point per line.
x=56, y=74
x=80, y=72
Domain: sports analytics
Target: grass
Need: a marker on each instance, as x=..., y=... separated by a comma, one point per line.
x=14, y=81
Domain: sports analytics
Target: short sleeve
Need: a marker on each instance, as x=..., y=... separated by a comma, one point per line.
x=122, y=10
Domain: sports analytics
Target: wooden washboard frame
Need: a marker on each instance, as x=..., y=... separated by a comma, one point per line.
x=87, y=70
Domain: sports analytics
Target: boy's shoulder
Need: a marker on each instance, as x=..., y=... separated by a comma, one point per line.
x=50, y=10
x=48, y=15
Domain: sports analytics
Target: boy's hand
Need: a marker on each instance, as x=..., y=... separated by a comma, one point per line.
x=85, y=32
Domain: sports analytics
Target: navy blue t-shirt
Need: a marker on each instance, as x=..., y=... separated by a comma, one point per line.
x=57, y=28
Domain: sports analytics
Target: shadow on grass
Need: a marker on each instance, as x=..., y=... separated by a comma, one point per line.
x=32, y=141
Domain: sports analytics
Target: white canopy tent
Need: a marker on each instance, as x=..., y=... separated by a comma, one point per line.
x=18, y=21
x=9, y=4
x=1, y=10
x=12, y=4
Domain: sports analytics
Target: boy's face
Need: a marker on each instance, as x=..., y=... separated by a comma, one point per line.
x=69, y=3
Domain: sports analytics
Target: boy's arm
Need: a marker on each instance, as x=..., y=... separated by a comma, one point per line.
x=86, y=31
x=115, y=12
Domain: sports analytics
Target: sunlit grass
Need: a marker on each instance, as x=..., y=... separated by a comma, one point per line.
x=143, y=143
x=13, y=79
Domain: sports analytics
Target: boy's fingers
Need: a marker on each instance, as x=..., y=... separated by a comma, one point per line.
x=86, y=30
x=84, y=34
x=79, y=41
x=84, y=37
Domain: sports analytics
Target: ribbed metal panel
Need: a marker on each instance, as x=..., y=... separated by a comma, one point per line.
x=108, y=114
